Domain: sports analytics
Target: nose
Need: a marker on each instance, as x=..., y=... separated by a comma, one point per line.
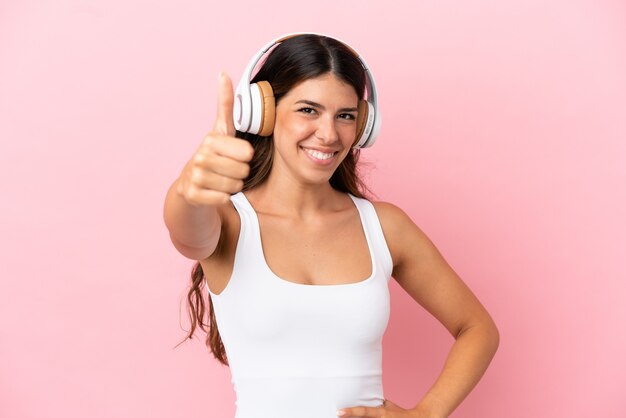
x=326, y=130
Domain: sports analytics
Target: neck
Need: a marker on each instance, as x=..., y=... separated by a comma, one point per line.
x=284, y=195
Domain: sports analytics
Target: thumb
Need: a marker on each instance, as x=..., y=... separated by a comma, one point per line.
x=224, y=123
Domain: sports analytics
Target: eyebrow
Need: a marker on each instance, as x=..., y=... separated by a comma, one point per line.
x=317, y=105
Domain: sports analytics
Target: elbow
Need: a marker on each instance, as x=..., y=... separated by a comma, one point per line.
x=492, y=335
x=488, y=331
x=495, y=338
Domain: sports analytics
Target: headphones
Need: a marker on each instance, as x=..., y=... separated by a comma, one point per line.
x=254, y=109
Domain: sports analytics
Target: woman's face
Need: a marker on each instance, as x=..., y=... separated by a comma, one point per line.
x=315, y=128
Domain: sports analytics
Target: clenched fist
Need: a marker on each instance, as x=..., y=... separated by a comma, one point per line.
x=218, y=167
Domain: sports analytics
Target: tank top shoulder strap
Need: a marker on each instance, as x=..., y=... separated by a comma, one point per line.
x=249, y=230
x=248, y=249
x=372, y=223
x=245, y=213
x=241, y=204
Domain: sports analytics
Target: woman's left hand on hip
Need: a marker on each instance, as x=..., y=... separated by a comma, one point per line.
x=387, y=410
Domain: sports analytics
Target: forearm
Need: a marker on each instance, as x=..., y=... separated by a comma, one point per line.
x=466, y=363
x=193, y=226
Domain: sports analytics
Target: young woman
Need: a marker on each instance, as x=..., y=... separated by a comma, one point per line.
x=294, y=257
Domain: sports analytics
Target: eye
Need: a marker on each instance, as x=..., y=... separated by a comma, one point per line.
x=347, y=116
x=307, y=110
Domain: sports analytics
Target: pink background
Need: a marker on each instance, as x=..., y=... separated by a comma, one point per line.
x=503, y=137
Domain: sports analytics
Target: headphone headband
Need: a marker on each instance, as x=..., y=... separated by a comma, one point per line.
x=244, y=114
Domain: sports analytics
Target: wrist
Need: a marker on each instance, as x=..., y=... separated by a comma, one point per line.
x=424, y=410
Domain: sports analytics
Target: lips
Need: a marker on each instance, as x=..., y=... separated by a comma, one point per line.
x=322, y=150
x=320, y=157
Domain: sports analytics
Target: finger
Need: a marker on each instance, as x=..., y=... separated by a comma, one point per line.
x=224, y=123
x=362, y=411
x=222, y=165
x=203, y=179
x=230, y=147
x=197, y=196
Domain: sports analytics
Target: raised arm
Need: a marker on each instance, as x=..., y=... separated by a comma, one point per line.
x=216, y=170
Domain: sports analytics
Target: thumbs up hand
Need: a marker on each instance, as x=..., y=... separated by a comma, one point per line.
x=219, y=166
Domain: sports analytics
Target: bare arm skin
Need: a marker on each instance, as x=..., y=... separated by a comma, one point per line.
x=421, y=270
x=194, y=230
x=193, y=209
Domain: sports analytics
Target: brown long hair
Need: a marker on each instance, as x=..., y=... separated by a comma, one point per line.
x=292, y=61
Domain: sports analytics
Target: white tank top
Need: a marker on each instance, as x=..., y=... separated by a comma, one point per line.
x=298, y=350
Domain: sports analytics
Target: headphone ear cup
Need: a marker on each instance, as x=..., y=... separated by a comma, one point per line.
x=268, y=106
x=361, y=120
x=262, y=108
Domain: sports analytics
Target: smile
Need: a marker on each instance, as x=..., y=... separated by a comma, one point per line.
x=318, y=156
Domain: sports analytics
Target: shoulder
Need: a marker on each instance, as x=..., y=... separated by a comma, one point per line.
x=392, y=218
x=402, y=234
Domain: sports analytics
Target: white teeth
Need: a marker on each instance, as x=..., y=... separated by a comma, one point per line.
x=319, y=155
